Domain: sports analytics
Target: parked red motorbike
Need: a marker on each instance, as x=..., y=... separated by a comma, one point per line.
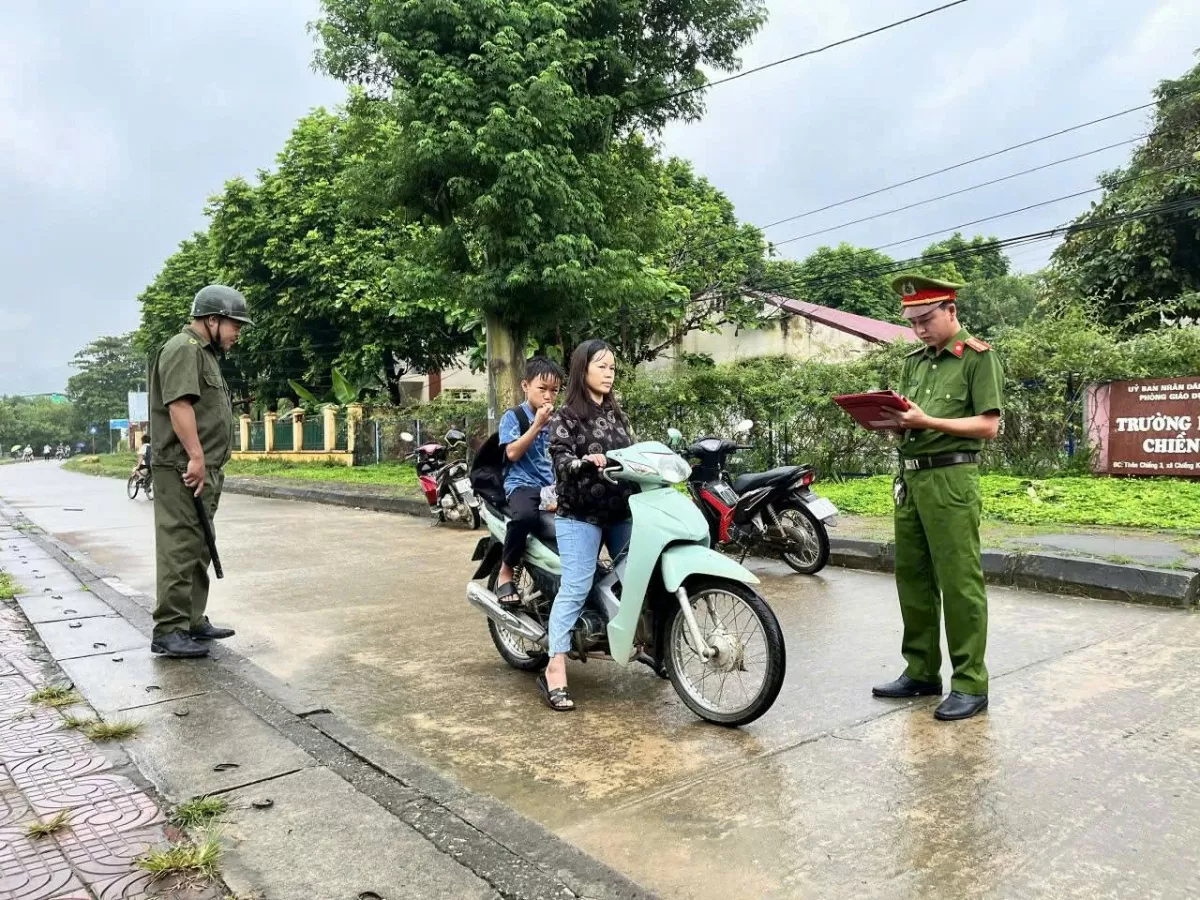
x=445, y=482
x=775, y=511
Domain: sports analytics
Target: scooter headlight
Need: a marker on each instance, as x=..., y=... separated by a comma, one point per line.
x=674, y=469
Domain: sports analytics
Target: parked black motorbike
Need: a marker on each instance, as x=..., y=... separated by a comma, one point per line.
x=445, y=483
x=773, y=512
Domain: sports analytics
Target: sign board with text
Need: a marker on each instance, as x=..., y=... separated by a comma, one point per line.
x=139, y=406
x=1154, y=427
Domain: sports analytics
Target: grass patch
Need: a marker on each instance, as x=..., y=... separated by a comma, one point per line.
x=55, y=695
x=49, y=826
x=202, y=858
x=115, y=730
x=199, y=811
x=8, y=587
x=391, y=474
x=109, y=465
x=75, y=723
x=1117, y=502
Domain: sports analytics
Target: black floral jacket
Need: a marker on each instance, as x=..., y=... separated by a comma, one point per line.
x=582, y=494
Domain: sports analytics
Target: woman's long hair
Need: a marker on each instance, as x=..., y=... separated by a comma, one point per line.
x=579, y=401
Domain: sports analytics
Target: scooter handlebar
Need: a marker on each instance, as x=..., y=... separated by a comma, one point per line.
x=605, y=472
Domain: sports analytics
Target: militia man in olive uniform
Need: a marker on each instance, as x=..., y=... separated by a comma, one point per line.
x=191, y=419
x=955, y=387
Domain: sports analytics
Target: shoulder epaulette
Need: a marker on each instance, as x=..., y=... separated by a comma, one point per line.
x=917, y=352
x=978, y=346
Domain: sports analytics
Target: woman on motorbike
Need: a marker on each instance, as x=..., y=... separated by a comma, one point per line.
x=591, y=510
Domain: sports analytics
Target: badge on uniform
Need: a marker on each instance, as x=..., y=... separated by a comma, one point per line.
x=899, y=490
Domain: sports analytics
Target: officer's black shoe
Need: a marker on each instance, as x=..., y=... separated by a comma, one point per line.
x=960, y=706
x=177, y=645
x=207, y=631
x=904, y=687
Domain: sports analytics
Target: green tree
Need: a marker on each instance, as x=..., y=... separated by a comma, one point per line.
x=1144, y=271
x=37, y=422
x=973, y=260
x=330, y=286
x=695, y=243
x=508, y=121
x=842, y=277
x=989, y=306
x=108, y=368
x=166, y=300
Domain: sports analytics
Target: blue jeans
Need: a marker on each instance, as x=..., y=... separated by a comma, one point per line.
x=579, y=548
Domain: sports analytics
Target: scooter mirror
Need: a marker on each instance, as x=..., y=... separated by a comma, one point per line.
x=406, y=437
x=744, y=426
x=674, y=437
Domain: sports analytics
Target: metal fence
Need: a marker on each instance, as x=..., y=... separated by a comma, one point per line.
x=258, y=437
x=314, y=434
x=284, y=435
x=380, y=439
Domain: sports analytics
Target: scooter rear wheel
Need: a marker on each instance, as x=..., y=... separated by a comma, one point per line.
x=741, y=682
x=517, y=651
x=811, y=552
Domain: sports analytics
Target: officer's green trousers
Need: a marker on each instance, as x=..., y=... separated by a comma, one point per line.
x=181, y=555
x=938, y=568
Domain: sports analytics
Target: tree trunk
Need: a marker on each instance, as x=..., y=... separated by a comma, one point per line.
x=506, y=365
x=391, y=379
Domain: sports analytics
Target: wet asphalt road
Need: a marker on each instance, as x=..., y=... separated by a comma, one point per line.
x=1081, y=781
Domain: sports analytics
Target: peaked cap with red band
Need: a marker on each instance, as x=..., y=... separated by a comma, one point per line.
x=918, y=293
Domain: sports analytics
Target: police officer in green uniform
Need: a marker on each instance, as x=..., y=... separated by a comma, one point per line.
x=191, y=419
x=955, y=387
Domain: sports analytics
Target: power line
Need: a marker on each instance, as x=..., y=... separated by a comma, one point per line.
x=1031, y=206
x=684, y=252
x=779, y=62
x=966, y=190
x=992, y=155
x=896, y=266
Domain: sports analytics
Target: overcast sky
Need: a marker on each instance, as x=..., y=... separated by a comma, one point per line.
x=118, y=120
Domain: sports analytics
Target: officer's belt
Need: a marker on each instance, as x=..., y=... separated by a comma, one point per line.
x=937, y=462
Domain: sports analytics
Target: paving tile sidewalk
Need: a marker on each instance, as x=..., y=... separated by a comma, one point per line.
x=47, y=768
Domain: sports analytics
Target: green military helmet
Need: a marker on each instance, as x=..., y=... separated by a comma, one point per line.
x=219, y=300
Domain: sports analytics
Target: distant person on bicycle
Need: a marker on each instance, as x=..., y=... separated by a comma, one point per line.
x=142, y=469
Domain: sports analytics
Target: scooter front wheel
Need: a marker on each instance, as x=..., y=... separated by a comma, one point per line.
x=743, y=673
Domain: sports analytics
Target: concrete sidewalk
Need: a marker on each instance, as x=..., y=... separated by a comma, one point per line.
x=1138, y=569
x=316, y=808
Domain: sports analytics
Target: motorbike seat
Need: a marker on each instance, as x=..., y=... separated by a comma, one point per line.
x=755, y=480
x=545, y=531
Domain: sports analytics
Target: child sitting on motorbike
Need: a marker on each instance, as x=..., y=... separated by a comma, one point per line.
x=591, y=510
x=527, y=470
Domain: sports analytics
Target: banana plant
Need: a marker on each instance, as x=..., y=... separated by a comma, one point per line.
x=342, y=393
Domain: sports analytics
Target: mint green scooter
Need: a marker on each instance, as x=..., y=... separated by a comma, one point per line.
x=670, y=602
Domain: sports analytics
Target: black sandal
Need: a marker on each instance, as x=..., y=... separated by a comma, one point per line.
x=508, y=596
x=557, y=699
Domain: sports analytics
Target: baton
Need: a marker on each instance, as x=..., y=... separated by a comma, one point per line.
x=209, y=538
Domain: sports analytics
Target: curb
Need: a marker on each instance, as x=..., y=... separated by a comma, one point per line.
x=367, y=501
x=518, y=857
x=1049, y=572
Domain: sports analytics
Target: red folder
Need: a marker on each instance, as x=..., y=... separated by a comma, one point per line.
x=867, y=409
